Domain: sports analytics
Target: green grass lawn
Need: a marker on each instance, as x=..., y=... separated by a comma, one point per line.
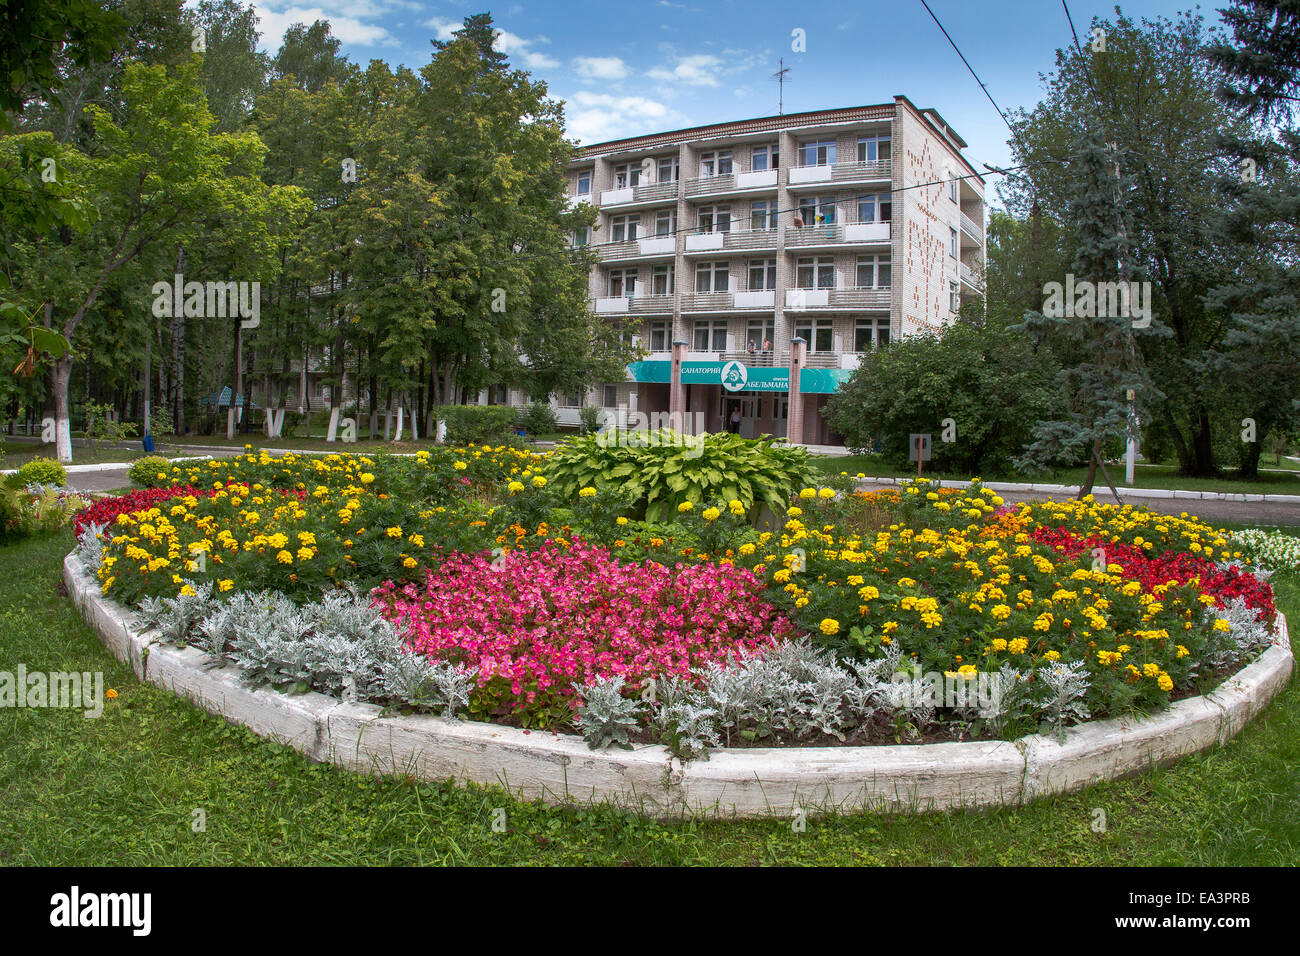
x=16, y=454
x=1280, y=482
x=121, y=790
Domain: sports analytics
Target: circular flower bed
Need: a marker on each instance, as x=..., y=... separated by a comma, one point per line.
x=476, y=587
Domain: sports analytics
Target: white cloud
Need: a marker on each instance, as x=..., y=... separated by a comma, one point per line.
x=606, y=116
x=600, y=67
x=698, y=69
x=273, y=23
x=517, y=47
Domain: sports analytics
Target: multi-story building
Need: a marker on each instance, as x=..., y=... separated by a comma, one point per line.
x=764, y=257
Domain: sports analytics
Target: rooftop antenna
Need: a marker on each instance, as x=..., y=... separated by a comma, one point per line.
x=779, y=76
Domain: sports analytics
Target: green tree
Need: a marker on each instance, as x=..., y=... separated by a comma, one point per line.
x=1260, y=352
x=1095, y=389
x=155, y=175
x=983, y=376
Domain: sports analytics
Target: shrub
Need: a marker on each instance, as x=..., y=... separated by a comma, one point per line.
x=101, y=427
x=589, y=420
x=477, y=424
x=537, y=419
x=13, y=524
x=42, y=471
x=989, y=381
x=664, y=469
x=152, y=471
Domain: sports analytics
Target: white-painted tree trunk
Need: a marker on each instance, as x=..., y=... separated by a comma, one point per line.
x=62, y=420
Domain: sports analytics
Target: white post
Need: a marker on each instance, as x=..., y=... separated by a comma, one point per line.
x=1131, y=451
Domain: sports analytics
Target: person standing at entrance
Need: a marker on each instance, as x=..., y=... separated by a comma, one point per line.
x=735, y=420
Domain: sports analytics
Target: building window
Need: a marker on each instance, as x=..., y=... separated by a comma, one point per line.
x=873, y=149
x=581, y=236
x=952, y=242
x=667, y=171
x=764, y=157
x=818, y=333
x=869, y=334
x=610, y=399
x=571, y=399
x=715, y=164
x=622, y=282
x=815, y=273
x=760, y=333
x=658, y=336
x=820, y=152
x=762, y=274
x=661, y=280
x=665, y=222
x=954, y=297
x=715, y=219
x=584, y=183
x=762, y=214
x=952, y=186
x=628, y=174
x=816, y=211
x=623, y=228
x=877, y=208
x=712, y=277
x=711, y=335
x=873, y=272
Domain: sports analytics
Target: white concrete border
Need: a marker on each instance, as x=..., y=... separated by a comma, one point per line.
x=738, y=782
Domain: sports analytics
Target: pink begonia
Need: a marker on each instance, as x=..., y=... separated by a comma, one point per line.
x=556, y=617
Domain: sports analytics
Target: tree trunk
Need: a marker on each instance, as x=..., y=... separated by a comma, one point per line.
x=1086, y=488
x=62, y=375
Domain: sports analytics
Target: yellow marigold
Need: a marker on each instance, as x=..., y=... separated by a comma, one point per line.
x=711, y=514
x=367, y=478
x=684, y=507
x=587, y=492
x=539, y=481
x=830, y=626
x=409, y=562
x=807, y=493
x=793, y=511
x=459, y=465
x=284, y=557
x=1165, y=682
x=395, y=531
x=1018, y=646
x=225, y=585
x=620, y=521
x=1052, y=656
x=826, y=494
x=1222, y=624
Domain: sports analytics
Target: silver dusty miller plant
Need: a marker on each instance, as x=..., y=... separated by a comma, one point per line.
x=607, y=717
x=1064, y=693
x=90, y=547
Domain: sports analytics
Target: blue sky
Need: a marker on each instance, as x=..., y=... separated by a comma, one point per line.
x=652, y=65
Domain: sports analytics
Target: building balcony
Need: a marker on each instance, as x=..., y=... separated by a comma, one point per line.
x=969, y=277
x=735, y=240
x=647, y=247
x=836, y=234
x=801, y=300
x=972, y=228
x=636, y=195
x=624, y=304
x=797, y=176
x=574, y=201
x=761, y=180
